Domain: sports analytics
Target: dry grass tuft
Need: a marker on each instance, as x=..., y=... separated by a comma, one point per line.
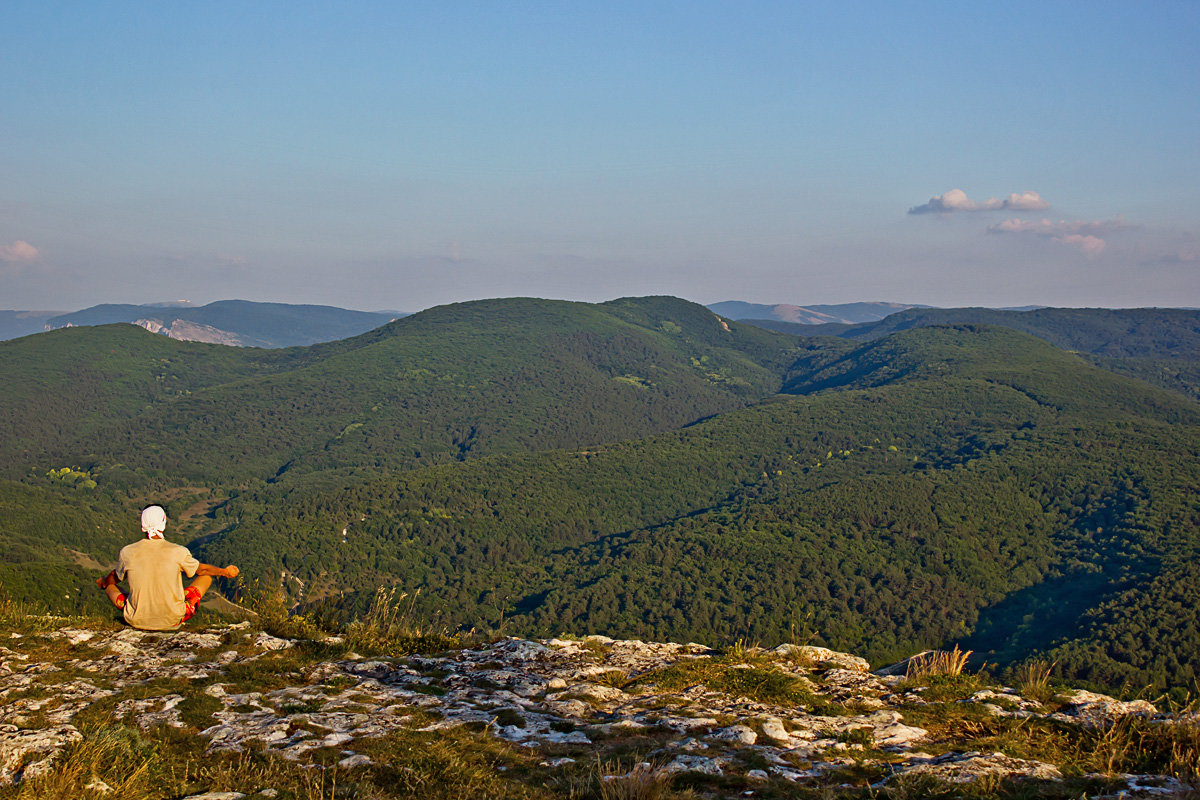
x=742, y=650
x=1032, y=679
x=613, y=780
x=115, y=756
x=938, y=662
x=615, y=678
x=275, y=617
x=1185, y=753
x=389, y=628
x=643, y=782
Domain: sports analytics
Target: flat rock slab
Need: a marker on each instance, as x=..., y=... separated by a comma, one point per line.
x=565, y=696
x=968, y=767
x=26, y=753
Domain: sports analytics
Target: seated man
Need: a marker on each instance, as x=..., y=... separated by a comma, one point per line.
x=157, y=600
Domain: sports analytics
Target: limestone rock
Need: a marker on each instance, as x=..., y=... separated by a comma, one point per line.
x=265, y=641
x=773, y=729
x=27, y=753
x=1098, y=710
x=900, y=668
x=967, y=767
x=823, y=656
x=558, y=694
x=98, y=786
x=735, y=734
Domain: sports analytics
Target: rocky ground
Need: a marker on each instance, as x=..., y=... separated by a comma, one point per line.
x=683, y=718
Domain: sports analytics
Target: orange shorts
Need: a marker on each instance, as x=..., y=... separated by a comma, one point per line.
x=191, y=598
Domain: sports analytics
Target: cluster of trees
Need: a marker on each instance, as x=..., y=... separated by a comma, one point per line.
x=53, y=538
x=632, y=468
x=441, y=386
x=1157, y=345
x=1010, y=498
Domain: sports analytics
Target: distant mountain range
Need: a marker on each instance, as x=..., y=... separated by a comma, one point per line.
x=1157, y=345
x=15, y=324
x=838, y=314
x=844, y=313
x=231, y=322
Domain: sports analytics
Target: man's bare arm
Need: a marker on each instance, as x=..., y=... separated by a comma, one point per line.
x=217, y=572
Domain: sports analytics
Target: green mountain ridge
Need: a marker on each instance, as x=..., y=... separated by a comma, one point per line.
x=1157, y=345
x=248, y=323
x=442, y=385
x=887, y=519
x=640, y=468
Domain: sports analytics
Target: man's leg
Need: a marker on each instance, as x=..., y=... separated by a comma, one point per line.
x=193, y=593
x=201, y=585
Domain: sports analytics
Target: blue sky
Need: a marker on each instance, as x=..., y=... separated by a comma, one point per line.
x=400, y=155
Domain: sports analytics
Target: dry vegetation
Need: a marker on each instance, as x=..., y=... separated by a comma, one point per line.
x=117, y=760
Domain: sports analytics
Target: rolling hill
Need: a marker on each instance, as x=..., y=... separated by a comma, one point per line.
x=841, y=313
x=638, y=468
x=1158, y=345
x=235, y=322
x=443, y=385
x=957, y=484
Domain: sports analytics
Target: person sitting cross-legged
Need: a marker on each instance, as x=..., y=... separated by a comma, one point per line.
x=155, y=568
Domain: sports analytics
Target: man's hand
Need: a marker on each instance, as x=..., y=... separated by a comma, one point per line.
x=232, y=571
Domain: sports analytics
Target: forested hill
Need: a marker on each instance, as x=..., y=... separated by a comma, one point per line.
x=1159, y=345
x=641, y=467
x=1123, y=333
x=446, y=384
x=954, y=484
x=238, y=321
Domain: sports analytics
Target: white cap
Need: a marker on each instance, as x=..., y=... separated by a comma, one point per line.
x=154, y=521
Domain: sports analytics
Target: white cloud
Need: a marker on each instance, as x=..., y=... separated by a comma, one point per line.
x=1077, y=233
x=18, y=251
x=1045, y=227
x=1181, y=256
x=1025, y=201
x=1088, y=244
x=957, y=200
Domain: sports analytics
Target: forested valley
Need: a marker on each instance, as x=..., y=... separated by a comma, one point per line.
x=642, y=468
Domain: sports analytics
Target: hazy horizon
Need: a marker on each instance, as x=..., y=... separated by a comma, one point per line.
x=376, y=156
x=410, y=311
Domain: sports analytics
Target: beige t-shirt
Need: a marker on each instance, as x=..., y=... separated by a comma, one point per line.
x=154, y=568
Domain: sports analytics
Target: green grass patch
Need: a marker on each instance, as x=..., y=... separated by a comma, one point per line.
x=942, y=688
x=762, y=682
x=309, y=707
x=508, y=716
x=197, y=710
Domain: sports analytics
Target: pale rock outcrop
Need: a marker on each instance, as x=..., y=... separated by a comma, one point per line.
x=572, y=696
x=26, y=753
x=822, y=656
x=1098, y=710
x=967, y=767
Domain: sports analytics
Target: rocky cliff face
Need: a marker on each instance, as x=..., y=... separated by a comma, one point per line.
x=745, y=722
x=186, y=331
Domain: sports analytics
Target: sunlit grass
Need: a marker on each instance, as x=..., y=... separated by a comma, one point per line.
x=938, y=662
x=761, y=681
x=389, y=628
